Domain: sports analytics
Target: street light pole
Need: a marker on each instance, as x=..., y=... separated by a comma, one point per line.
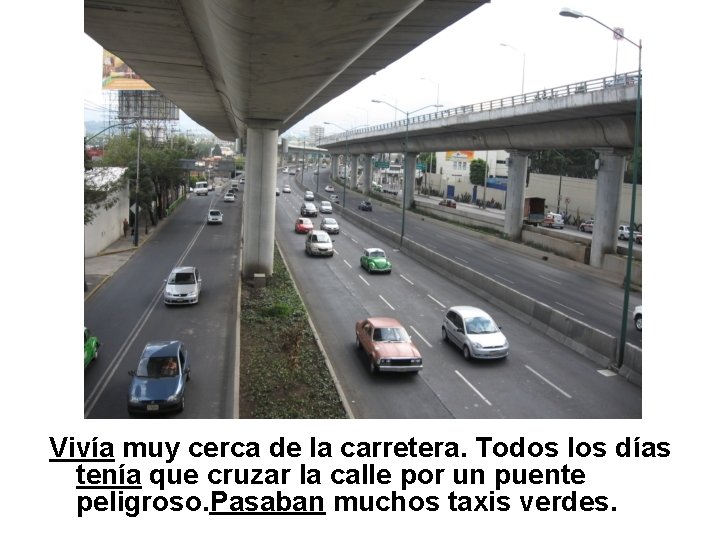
x=407, y=172
x=566, y=12
x=522, y=88
x=137, y=187
x=347, y=149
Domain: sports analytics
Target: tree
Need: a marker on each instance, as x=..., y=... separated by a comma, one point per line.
x=102, y=191
x=478, y=172
x=217, y=151
x=579, y=163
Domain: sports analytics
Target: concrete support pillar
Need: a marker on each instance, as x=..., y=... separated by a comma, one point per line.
x=409, y=179
x=515, y=195
x=367, y=173
x=334, y=162
x=352, y=176
x=258, y=235
x=608, y=189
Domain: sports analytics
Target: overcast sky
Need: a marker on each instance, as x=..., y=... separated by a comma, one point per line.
x=466, y=64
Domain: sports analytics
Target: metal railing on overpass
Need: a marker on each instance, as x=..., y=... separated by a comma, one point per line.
x=584, y=87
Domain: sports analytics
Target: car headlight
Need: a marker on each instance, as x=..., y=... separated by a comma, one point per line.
x=133, y=399
x=174, y=398
x=477, y=346
x=416, y=360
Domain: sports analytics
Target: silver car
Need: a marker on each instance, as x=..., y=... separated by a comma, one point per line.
x=214, y=216
x=319, y=243
x=330, y=225
x=183, y=286
x=474, y=332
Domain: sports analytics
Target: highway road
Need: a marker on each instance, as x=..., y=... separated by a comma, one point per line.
x=128, y=311
x=580, y=295
x=540, y=379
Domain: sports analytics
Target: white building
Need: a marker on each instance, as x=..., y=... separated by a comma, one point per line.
x=107, y=226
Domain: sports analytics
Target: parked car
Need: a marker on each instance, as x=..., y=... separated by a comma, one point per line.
x=303, y=225
x=474, y=332
x=319, y=243
x=214, y=216
x=587, y=226
x=229, y=197
x=329, y=188
x=292, y=172
x=450, y=203
x=624, y=232
x=286, y=189
x=325, y=207
x=374, y=260
x=309, y=196
x=158, y=384
x=387, y=345
x=637, y=317
x=330, y=225
x=366, y=206
x=277, y=191
x=183, y=286
x=92, y=344
x=308, y=209
x=285, y=169
x=637, y=237
x=553, y=220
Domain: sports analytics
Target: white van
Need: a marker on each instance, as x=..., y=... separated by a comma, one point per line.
x=201, y=188
x=554, y=220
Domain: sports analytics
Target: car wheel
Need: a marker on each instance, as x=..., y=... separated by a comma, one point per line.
x=357, y=342
x=444, y=335
x=182, y=404
x=638, y=324
x=466, y=352
x=373, y=367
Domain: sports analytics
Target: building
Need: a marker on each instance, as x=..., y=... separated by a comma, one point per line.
x=316, y=133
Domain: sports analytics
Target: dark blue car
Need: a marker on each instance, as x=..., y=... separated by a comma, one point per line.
x=158, y=383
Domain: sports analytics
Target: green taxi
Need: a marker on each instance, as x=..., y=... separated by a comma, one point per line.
x=374, y=260
x=91, y=347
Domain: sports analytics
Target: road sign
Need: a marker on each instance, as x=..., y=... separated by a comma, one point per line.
x=381, y=164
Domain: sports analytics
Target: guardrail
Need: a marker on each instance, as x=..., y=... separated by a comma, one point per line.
x=622, y=79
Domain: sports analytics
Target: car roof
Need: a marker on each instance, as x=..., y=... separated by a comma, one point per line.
x=375, y=249
x=161, y=348
x=213, y=210
x=384, y=322
x=469, y=311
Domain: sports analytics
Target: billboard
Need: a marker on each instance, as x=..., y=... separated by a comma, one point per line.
x=117, y=75
x=460, y=155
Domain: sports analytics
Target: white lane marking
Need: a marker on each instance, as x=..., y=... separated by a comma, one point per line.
x=503, y=278
x=406, y=279
x=388, y=303
x=607, y=372
x=420, y=336
x=615, y=305
x=351, y=238
x=366, y=283
x=461, y=260
x=474, y=389
x=498, y=259
x=563, y=392
x=548, y=279
x=571, y=309
x=436, y=301
x=347, y=263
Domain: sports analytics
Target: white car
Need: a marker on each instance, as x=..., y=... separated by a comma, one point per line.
x=309, y=196
x=475, y=333
x=183, y=286
x=229, y=197
x=329, y=188
x=285, y=169
x=334, y=198
x=286, y=189
x=319, y=243
x=325, y=207
x=637, y=317
x=214, y=216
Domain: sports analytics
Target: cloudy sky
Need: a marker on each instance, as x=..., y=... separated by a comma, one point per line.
x=466, y=63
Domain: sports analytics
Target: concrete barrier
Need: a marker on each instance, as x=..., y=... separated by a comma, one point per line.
x=591, y=343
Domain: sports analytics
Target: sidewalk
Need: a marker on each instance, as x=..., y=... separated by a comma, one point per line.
x=100, y=268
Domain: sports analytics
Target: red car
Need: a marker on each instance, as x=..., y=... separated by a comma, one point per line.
x=303, y=225
x=387, y=345
x=450, y=203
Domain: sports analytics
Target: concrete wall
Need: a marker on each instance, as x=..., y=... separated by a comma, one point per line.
x=107, y=225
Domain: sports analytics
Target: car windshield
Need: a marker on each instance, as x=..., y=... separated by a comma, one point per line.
x=330, y=221
x=480, y=325
x=157, y=367
x=390, y=334
x=182, y=278
x=376, y=253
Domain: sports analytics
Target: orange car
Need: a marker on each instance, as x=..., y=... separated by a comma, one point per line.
x=387, y=345
x=303, y=225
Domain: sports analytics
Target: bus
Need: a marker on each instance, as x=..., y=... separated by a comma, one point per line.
x=201, y=188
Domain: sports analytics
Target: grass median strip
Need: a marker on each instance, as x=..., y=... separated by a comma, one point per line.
x=282, y=370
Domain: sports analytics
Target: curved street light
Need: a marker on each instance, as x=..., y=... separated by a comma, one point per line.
x=407, y=180
x=522, y=88
x=567, y=12
x=346, y=157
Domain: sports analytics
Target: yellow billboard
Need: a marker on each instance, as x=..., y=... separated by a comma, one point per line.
x=460, y=155
x=117, y=75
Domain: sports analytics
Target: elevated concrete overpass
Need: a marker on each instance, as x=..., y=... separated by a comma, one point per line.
x=598, y=114
x=249, y=69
